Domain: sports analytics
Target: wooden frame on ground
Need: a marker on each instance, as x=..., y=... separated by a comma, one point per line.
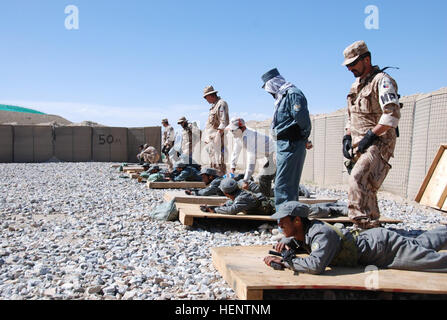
x=433, y=192
x=244, y=270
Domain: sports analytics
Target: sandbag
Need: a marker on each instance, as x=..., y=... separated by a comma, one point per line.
x=165, y=212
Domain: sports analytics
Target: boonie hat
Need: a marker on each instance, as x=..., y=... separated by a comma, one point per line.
x=292, y=208
x=181, y=120
x=209, y=90
x=354, y=51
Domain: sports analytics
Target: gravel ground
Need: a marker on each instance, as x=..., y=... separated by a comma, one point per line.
x=78, y=231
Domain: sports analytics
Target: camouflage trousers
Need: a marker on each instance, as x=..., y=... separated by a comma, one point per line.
x=365, y=181
x=151, y=158
x=168, y=160
x=216, y=152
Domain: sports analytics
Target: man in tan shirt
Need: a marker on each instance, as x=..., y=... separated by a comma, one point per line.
x=168, y=139
x=218, y=120
x=371, y=132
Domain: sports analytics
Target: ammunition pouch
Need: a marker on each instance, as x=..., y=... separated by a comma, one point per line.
x=348, y=255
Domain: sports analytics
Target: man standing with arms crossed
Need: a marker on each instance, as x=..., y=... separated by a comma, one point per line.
x=291, y=126
x=218, y=120
x=371, y=132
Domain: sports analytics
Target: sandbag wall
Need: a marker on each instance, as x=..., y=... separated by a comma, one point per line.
x=28, y=144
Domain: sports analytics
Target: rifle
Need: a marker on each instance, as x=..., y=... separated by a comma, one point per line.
x=205, y=208
x=193, y=191
x=286, y=255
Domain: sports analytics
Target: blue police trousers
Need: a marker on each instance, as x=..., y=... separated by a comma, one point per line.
x=387, y=249
x=290, y=156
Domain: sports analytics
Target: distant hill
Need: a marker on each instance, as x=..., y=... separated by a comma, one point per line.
x=31, y=117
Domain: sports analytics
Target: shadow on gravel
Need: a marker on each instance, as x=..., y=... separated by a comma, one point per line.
x=224, y=225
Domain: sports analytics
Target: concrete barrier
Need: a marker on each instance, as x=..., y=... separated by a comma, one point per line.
x=6, y=144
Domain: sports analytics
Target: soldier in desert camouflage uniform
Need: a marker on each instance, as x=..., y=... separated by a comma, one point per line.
x=150, y=154
x=167, y=141
x=190, y=138
x=371, y=131
x=218, y=120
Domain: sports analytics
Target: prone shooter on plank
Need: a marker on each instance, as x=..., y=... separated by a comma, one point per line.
x=329, y=245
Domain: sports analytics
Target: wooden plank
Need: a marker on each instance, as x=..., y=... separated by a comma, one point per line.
x=244, y=270
x=188, y=212
x=436, y=191
x=433, y=191
x=133, y=169
x=176, y=185
x=181, y=197
x=134, y=175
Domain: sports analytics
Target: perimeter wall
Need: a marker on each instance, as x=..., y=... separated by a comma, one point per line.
x=28, y=144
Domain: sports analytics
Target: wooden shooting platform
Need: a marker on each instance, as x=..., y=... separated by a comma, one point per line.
x=133, y=169
x=433, y=192
x=134, y=175
x=188, y=212
x=181, y=197
x=244, y=270
x=175, y=185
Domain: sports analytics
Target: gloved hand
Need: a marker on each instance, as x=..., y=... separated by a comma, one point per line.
x=347, y=146
x=367, y=141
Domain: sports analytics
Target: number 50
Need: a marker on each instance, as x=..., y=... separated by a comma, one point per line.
x=109, y=139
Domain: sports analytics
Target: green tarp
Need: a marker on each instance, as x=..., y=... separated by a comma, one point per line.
x=18, y=109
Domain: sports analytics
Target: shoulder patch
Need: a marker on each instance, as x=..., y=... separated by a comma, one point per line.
x=315, y=246
x=297, y=107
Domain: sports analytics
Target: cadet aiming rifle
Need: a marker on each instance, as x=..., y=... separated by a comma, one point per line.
x=205, y=208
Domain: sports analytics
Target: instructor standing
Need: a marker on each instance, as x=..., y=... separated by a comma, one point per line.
x=218, y=120
x=371, y=131
x=291, y=127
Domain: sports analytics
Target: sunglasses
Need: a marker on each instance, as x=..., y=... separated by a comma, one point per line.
x=352, y=64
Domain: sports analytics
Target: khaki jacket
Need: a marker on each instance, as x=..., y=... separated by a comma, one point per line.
x=374, y=101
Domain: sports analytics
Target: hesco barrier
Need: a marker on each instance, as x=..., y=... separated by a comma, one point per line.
x=72, y=144
x=6, y=144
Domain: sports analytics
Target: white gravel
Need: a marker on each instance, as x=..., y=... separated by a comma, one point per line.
x=78, y=231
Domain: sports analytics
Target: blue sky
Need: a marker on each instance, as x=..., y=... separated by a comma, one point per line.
x=134, y=62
